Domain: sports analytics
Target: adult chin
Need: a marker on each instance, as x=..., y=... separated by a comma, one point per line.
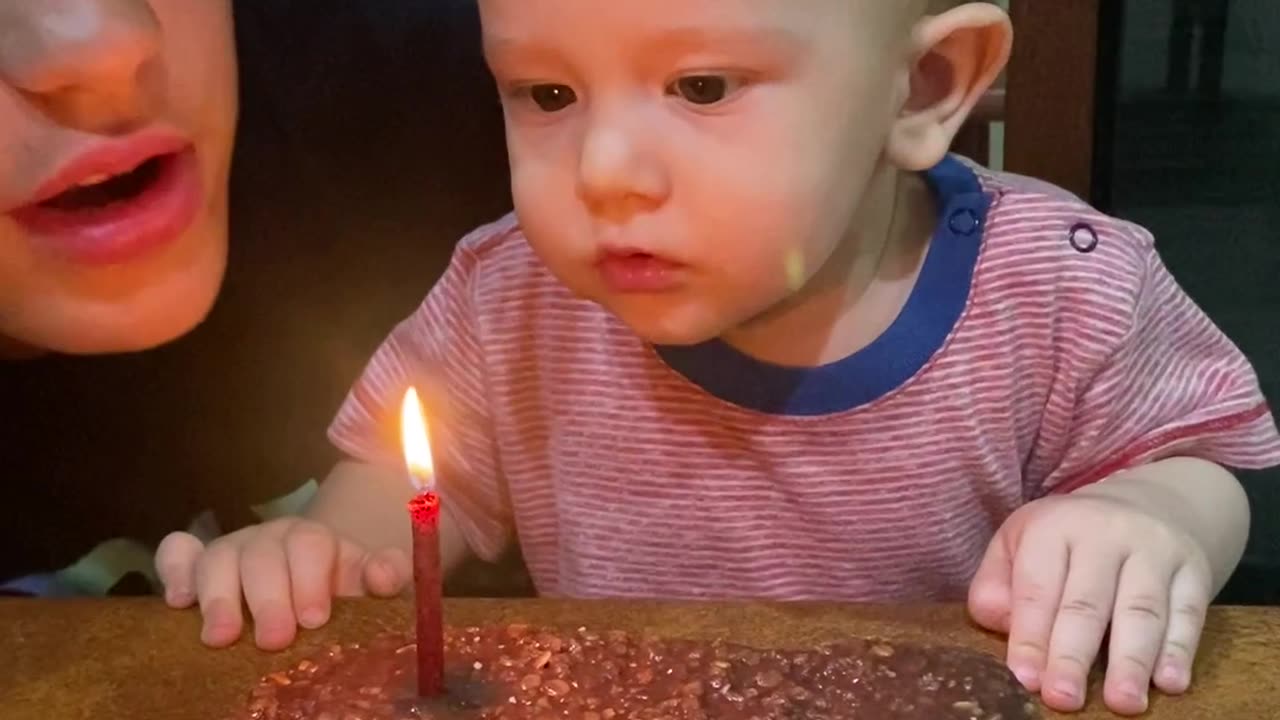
x=121, y=310
x=13, y=349
x=123, y=330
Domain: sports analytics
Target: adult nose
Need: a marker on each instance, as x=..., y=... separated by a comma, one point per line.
x=619, y=174
x=82, y=60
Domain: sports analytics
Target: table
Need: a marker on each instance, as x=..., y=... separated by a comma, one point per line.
x=99, y=659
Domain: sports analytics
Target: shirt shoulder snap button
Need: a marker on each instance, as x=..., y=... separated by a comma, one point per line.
x=1083, y=238
x=964, y=221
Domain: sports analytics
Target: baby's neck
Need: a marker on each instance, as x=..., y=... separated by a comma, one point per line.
x=861, y=288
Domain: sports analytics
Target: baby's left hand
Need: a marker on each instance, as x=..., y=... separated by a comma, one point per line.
x=1063, y=568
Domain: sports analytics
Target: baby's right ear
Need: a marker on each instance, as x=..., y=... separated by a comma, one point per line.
x=959, y=54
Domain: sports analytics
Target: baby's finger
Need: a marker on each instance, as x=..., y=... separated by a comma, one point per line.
x=1087, y=599
x=312, y=552
x=1138, y=627
x=176, y=559
x=1039, y=571
x=387, y=572
x=348, y=578
x=218, y=586
x=1189, y=597
x=264, y=573
x=991, y=590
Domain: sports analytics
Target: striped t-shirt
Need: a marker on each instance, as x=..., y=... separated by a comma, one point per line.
x=1044, y=347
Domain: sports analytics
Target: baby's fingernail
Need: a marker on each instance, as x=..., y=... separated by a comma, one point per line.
x=1026, y=675
x=1137, y=694
x=1171, y=675
x=216, y=634
x=386, y=573
x=1066, y=690
x=312, y=618
x=177, y=596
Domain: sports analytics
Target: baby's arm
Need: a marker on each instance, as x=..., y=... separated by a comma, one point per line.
x=367, y=504
x=353, y=539
x=1199, y=498
x=1142, y=552
x=1124, y=529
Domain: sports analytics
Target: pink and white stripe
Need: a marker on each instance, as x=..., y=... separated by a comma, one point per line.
x=623, y=479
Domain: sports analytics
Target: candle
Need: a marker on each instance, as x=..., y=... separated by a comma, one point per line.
x=424, y=513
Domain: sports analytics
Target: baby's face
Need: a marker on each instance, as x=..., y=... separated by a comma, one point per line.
x=116, y=126
x=690, y=164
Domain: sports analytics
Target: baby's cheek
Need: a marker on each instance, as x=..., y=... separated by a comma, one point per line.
x=542, y=200
x=773, y=263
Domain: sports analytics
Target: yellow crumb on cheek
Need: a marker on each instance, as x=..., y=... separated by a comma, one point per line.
x=795, y=270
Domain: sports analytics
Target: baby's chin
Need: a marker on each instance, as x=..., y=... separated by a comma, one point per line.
x=677, y=318
x=669, y=327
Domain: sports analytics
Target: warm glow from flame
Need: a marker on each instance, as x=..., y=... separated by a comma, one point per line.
x=413, y=438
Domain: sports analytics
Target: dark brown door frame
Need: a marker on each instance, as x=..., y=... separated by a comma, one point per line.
x=1051, y=104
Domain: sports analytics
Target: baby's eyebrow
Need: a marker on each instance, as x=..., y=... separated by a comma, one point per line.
x=497, y=46
x=685, y=39
x=673, y=40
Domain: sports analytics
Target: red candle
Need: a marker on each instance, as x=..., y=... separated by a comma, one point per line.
x=424, y=512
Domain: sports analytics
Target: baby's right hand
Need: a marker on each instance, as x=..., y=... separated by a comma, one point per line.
x=287, y=571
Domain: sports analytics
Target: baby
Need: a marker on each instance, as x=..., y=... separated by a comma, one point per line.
x=751, y=332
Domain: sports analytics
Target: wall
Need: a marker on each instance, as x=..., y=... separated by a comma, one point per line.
x=1253, y=47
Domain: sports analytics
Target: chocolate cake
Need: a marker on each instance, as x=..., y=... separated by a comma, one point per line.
x=518, y=672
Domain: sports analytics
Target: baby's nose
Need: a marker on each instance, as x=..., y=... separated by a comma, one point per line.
x=618, y=173
x=52, y=47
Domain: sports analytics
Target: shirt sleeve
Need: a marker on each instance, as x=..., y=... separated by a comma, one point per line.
x=437, y=350
x=1164, y=382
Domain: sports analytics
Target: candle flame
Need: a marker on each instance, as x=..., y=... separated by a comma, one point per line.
x=413, y=438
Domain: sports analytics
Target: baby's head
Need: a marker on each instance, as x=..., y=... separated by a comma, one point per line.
x=116, y=125
x=691, y=165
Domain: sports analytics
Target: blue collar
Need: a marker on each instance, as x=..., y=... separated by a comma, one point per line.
x=928, y=317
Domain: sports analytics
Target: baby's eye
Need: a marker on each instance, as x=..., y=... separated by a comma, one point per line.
x=552, y=98
x=704, y=89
